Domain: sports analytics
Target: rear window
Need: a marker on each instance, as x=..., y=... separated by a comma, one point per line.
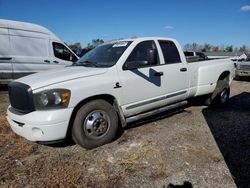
x=170, y=52
x=189, y=54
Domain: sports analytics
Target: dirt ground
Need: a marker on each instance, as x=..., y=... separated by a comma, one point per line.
x=200, y=146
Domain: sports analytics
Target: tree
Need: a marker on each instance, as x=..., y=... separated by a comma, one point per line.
x=215, y=49
x=206, y=48
x=222, y=48
x=194, y=47
x=96, y=42
x=133, y=37
x=75, y=46
x=244, y=48
x=236, y=49
x=191, y=47
x=229, y=48
x=187, y=47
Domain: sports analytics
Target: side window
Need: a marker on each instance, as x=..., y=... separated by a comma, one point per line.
x=61, y=52
x=143, y=55
x=170, y=52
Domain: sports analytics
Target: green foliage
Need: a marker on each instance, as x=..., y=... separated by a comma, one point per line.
x=75, y=46
x=95, y=42
x=207, y=47
x=229, y=48
x=244, y=48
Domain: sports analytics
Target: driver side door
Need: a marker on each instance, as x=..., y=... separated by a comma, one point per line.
x=141, y=79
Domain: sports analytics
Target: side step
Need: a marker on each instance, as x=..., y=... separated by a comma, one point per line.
x=156, y=111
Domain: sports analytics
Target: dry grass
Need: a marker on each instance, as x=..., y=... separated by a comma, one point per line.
x=173, y=149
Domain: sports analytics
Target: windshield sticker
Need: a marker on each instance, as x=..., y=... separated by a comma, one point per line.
x=120, y=44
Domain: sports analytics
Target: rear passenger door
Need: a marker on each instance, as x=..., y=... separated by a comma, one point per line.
x=176, y=79
x=61, y=55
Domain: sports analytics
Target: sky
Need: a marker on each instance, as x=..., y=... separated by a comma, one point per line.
x=217, y=22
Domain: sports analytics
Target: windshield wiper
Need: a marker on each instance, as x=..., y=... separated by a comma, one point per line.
x=86, y=63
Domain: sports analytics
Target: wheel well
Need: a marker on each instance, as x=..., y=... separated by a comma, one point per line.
x=109, y=98
x=224, y=75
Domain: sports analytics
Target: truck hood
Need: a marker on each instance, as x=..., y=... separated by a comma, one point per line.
x=54, y=76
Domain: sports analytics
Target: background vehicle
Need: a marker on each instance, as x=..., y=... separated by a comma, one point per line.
x=113, y=84
x=195, y=56
x=27, y=48
x=243, y=68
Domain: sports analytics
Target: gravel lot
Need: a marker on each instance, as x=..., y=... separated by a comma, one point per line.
x=200, y=146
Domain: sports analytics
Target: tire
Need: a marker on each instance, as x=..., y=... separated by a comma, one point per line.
x=222, y=98
x=221, y=94
x=95, y=124
x=237, y=78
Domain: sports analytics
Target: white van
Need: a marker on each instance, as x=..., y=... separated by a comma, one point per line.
x=27, y=48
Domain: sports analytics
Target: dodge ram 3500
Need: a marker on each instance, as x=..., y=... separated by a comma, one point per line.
x=116, y=83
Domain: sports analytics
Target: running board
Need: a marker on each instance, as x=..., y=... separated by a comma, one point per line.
x=154, y=112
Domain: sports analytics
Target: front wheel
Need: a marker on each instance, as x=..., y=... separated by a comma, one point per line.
x=95, y=124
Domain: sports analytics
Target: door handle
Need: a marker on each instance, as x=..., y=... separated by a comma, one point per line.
x=158, y=74
x=46, y=61
x=55, y=62
x=183, y=69
x=5, y=58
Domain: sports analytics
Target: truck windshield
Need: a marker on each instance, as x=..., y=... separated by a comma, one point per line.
x=105, y=55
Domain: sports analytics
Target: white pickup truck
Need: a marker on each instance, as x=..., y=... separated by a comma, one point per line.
x=113, y=84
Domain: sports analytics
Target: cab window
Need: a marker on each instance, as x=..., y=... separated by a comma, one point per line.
x=170, y=52
x=61, y=52
x=143, y=55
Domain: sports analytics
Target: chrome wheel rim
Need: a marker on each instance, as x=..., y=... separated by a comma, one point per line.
x=224, y=96
x=96, y=125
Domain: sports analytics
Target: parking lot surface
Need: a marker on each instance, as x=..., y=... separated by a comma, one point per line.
x=201, y=146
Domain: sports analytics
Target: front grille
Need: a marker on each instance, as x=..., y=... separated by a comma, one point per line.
x=21, y=97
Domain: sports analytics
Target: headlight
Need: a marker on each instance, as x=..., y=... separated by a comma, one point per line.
x=52, y=99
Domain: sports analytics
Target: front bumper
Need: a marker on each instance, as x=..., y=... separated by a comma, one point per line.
x=45, y=126
x=242, y=72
